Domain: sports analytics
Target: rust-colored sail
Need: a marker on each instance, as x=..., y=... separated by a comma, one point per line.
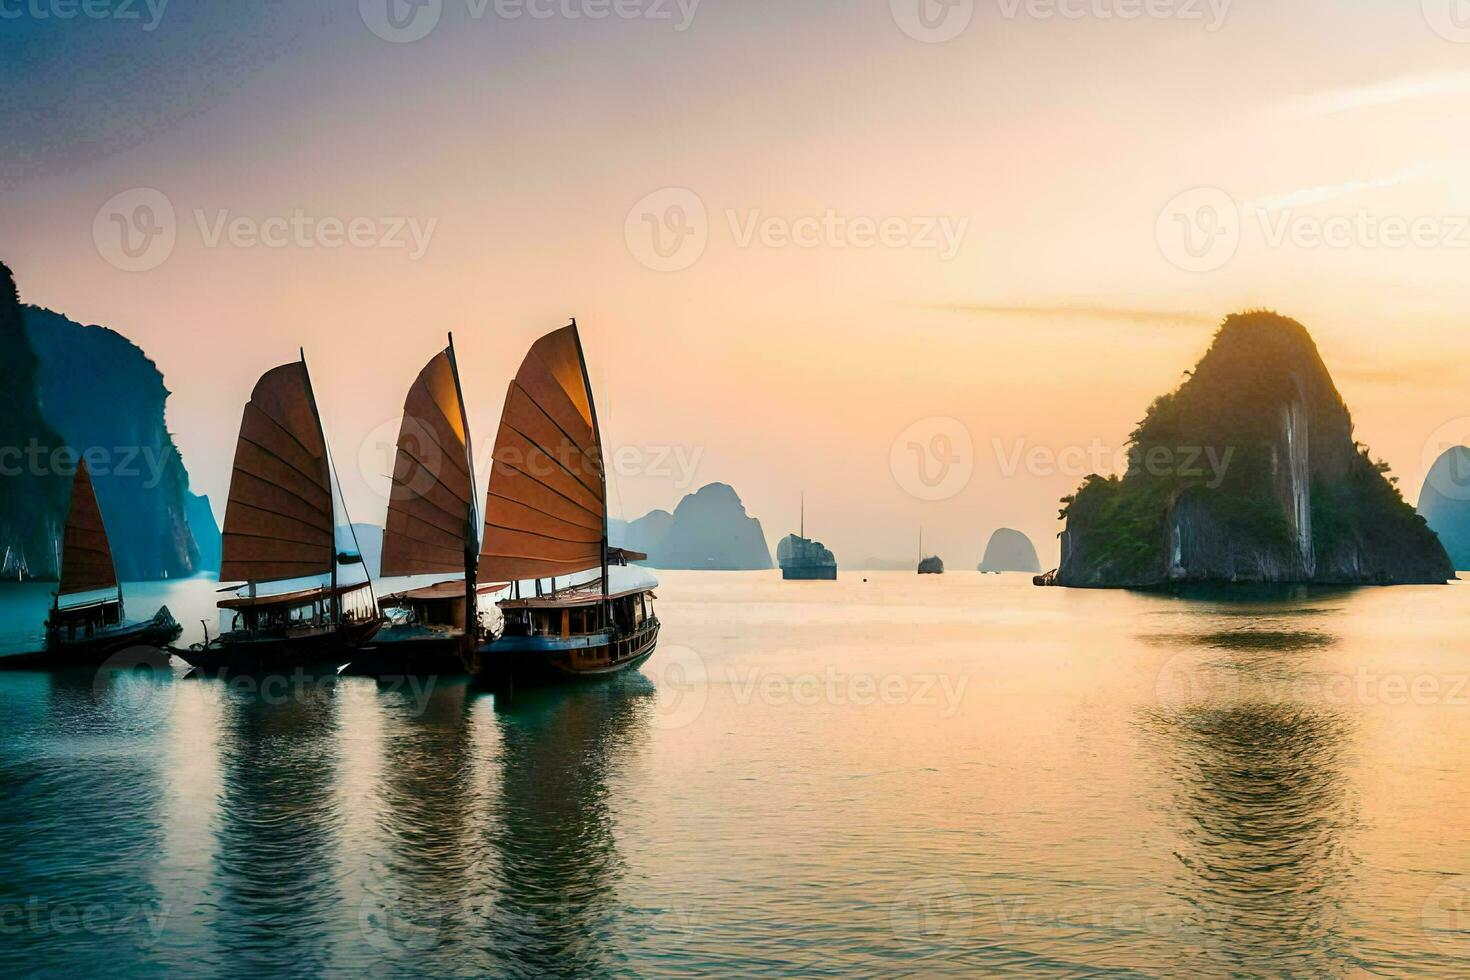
x=278, y=522
x=86, y=557
x=546, y=511
x=431, y=508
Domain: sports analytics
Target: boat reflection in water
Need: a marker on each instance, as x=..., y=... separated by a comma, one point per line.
x=518, y=875
x=275, y=903
x=81, y=829
x=1258, y=766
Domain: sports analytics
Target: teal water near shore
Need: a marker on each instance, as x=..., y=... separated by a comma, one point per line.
x=937, y=775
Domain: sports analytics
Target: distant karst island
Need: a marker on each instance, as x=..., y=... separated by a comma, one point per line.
x=1444, y=503
x=709, y=529
x=1010, y=551
x=1248, y=472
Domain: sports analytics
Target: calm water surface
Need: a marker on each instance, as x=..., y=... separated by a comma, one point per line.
x=947, y=775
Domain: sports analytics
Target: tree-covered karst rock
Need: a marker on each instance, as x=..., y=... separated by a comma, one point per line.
x=33, y=493
x=1248, y=472
x=1444, y=503
x=107, y=398
x=1010, y=551
x=708, y=530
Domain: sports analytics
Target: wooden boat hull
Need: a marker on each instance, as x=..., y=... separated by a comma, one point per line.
x=97, y=649
x=392, y=654
x=538, y=660
x=313, y=651
x=810, y=573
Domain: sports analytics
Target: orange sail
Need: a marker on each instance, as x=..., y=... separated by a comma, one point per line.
x=546, y=510
x=86, y=557
x=279, y=522
x=432, y=522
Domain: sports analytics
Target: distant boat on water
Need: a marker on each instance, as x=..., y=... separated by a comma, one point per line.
x=930, y=564
x=281, y=531
x=546, y=519
x=803, y=559
x=433, y=530
x=86, y=624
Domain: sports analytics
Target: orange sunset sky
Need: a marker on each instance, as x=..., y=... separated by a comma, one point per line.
x=541, y=151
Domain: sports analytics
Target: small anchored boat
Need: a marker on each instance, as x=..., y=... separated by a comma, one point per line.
x=87, y=625
x=433, y=530
x=281, y=532
x=546, y=520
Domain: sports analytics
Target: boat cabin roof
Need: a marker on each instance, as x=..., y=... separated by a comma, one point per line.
x=581, y=595
x=297, y=598
x=452, y=589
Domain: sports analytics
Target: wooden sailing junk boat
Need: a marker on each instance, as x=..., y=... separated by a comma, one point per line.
x=546, y=519
x=88, y=630
x=433, y=529
x=280, y=529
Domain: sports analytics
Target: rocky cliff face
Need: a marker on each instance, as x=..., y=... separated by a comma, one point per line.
x=33, y=494
x=1248, y=473
x=107, y=399
x=1010, y=551
x=1444, y=503
x=709, y=529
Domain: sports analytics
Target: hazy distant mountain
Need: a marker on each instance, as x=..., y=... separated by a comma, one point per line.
x=1010, y=551
x=370, y=545
x=105, y=397
x=205, y=529
x=1248, y=473
x=708, y=530
x=1444, y=502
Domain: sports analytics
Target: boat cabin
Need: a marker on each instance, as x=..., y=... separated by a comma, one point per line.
x=307, y=609
x=85, y=619
x=571, y=614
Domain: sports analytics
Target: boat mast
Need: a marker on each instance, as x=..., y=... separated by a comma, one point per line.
x=471, y=638
x=601, y=472
x=331, y=495
x=802, y=534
